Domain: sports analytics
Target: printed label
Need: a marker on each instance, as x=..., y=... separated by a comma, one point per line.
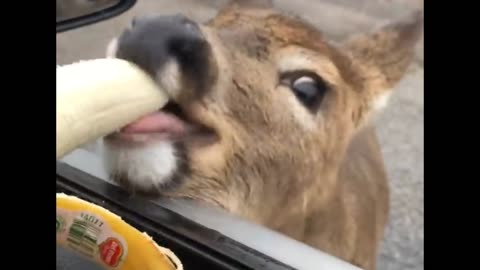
x=111, y=251
x=89, y=235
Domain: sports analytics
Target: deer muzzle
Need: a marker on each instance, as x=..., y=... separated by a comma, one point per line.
x=173, y=50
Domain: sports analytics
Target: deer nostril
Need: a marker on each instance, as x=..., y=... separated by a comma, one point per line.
x=187, y=49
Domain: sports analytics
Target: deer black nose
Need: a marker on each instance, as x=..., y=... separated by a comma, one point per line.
x=153, y=41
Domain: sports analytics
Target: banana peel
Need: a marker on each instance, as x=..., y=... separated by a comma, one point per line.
x=104, y=238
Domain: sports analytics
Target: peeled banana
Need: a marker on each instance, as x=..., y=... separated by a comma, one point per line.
x=97, y=97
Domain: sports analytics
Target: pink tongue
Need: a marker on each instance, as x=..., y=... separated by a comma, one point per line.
x=158, y=122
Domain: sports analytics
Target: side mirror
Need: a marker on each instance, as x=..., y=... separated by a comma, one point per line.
x=77, y=13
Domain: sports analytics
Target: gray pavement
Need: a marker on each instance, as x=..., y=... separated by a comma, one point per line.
x=400, y=126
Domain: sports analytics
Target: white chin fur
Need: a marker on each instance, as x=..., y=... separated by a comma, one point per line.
x=147, y=167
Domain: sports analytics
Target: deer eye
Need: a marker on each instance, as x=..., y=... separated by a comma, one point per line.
x=308, y=88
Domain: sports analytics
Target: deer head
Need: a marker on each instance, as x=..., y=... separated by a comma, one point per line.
x=262, y=108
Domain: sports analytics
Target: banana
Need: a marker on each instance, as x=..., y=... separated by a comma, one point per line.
x=104, y=238
x=96, y=97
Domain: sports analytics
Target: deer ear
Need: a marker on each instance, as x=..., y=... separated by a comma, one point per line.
x=384, y=56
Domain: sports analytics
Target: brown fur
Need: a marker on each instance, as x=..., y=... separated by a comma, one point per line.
x=317, y=177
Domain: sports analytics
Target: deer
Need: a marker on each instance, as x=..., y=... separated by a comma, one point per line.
x=267, y=120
